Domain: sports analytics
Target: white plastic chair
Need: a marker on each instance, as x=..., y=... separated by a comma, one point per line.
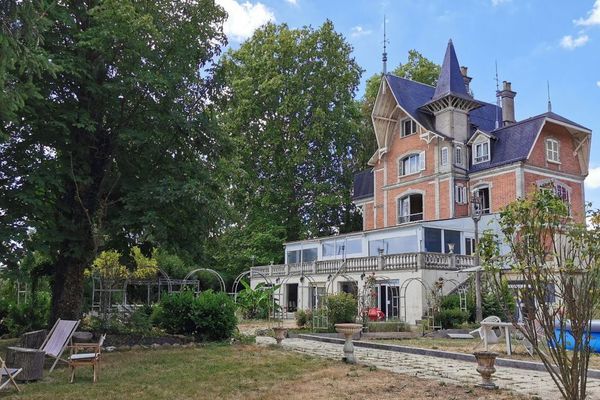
x=487, y=334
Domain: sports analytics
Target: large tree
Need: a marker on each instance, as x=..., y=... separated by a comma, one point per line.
x=289, y=106
x=116, y=146
x=417, y=68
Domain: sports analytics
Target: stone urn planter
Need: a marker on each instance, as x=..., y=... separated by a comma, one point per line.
x=348, y=330
x=280, y=334
x=485, y=367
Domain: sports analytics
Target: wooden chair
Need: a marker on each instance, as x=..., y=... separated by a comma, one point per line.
x=10, y=374
x=92, y=359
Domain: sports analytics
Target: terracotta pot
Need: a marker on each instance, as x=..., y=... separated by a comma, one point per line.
x=485, y=366
x=280, y=334
x=348, y=330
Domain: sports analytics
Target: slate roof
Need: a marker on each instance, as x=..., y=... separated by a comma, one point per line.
x=363, y=185
x=450, y=81
x=412, y=95
x=512, y=143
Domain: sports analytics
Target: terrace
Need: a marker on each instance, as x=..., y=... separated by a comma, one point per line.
x=393, y=262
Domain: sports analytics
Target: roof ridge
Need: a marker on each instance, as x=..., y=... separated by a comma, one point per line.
x=520, y=122
x=410, y=80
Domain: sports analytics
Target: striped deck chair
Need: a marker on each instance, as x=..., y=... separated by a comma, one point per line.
x=58, y=339
x=10, y=374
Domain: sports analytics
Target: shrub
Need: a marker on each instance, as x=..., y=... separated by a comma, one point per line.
x=174, y=313
x=451, y=318
x=304, y=318
x=341, y=307
x=210, y=316
x=301, y=318
x=28, y=316
x=214, y=316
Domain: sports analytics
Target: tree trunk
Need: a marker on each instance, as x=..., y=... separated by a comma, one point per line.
x=67, y=289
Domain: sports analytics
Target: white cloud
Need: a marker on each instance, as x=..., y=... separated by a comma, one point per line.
x=598, y=83
x=496, y=3
x=569, y=42
x=292, y=2
x=593, y=16
x=244, y=18
x=359, y=31
x=593, y=179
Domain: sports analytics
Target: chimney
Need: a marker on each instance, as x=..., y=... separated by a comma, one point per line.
x=466, y=78
x=507, y=96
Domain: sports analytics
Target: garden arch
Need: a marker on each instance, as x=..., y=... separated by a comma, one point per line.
x=238, y=279
x=430, y=305
x=211, y=271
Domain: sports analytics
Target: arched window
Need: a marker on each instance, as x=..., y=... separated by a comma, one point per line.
x=559, y=189
x=411, y=164
x=484, y=196
x=410, y=208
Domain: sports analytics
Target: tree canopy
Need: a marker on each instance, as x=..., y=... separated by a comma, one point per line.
x=111, y=142
x=289, y=107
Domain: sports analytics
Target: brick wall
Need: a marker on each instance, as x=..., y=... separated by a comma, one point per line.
x=503, y=188
x=568, y=162
x=575, y=192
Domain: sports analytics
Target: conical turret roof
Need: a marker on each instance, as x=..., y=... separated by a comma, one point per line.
x=450, y=81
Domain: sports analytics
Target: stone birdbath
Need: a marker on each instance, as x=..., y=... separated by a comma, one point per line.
x=485, y=367
x=280, y=334
x=348, y=330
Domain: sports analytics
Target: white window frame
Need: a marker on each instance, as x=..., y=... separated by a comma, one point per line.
x=460, y=194
x=444, y=156
x=413, y=127
x=484, y=156
x=553, y=150
x=458, y=155
x=489, y=189
x=419, y=164
x=403, y=203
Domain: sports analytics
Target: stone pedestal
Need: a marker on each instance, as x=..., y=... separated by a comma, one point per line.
x=485, y=366
x=348, y=330
x=31, y=360
x=280, y=334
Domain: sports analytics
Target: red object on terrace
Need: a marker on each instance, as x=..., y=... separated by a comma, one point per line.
x=375, y=314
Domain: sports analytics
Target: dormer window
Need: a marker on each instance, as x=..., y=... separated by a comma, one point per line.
x=411, y=164
x=409, y=127
x=482, y=152
x=552, y=153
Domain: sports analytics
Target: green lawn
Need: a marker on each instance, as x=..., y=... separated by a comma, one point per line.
x=227, y=372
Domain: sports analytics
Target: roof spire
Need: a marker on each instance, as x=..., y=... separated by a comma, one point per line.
x=549, y=102
x=497, y=98
x=385, y=41
x=450, y=81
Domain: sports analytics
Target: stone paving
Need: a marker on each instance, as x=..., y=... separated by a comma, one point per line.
x=533, y=383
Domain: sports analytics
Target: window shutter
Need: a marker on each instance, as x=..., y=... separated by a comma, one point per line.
x=422, y=160
x=464, y=193
x=456, y=194
x=400, y=169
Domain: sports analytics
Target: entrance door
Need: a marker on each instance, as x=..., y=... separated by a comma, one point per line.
x=292, y=297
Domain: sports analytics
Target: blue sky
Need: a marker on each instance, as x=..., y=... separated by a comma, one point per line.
x=532, y=41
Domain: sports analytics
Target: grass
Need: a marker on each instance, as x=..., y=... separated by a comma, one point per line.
x=220, y=371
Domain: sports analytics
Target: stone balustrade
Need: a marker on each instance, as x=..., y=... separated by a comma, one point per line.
x=392, y=262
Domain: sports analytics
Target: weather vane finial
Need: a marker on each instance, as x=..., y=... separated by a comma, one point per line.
x=385, y=41
x=549, y=102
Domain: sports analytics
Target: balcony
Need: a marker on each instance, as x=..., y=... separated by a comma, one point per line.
x=392, y=262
